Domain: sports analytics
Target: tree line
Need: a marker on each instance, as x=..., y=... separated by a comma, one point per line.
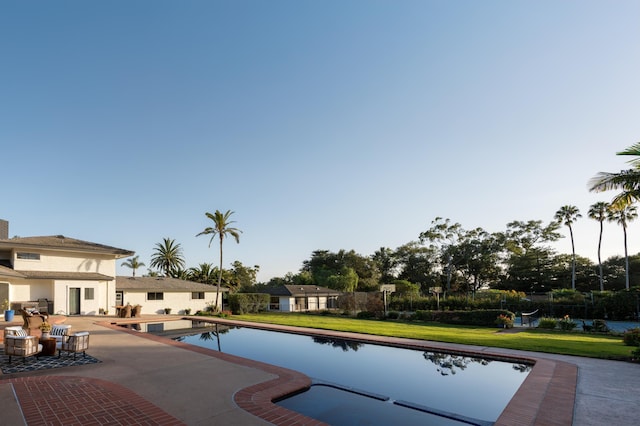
x=446, y=255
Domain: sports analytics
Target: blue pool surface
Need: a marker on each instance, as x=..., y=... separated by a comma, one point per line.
x=419, y=387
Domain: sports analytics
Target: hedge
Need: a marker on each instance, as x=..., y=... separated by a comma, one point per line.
x=248, y=303
x=484, y=317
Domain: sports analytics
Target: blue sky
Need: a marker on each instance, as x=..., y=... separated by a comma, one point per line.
x=322, y=124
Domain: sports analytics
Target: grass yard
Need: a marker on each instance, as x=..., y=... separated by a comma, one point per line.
x=538, y=340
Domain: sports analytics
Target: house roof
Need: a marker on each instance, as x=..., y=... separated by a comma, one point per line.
x=57, y=275
x=8, y=272
x=301, y=290
x=162, y=284
x=60, y=242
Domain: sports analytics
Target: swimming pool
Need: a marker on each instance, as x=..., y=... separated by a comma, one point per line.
x=367, y=383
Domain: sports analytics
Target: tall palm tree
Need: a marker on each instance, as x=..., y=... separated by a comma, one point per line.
x=628, y=181
x=598, y=211
x=221, y=227
x=568, y=215
x=134, y=264
x=623, y=214
x=167, y=256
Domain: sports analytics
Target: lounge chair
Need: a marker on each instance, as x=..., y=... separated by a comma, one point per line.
x=32, y=319
x=18, y=343
x=77, y=342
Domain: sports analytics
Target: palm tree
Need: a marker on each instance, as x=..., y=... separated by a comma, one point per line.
x=568, y=215
x=220, y=228
x=623, y=214
x=167, y=256
x=628, y=181
x=134, y=264
x=598, y=211
x=204, y=273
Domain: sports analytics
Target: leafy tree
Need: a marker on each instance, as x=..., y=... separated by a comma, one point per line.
x=627, y=181
x=567, y=215
x=623, y=214
x=477, y=256
x=221, y=228
x=405, y=288
x=167, y=256
x=528, y=259
x=133, y=263
x=598, y=211
x=442, y=235
x=416, y=264
x=325, y=264
x=241, y=276
x=387, y=263
x=346, y=280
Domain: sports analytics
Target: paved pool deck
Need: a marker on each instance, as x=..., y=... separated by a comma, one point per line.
x=148, y=380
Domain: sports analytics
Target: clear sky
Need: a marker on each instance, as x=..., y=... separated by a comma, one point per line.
x=326, y=124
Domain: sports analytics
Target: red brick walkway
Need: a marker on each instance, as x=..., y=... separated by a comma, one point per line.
x=80, y=401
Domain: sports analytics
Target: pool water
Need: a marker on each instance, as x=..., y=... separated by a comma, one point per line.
x=357, y=383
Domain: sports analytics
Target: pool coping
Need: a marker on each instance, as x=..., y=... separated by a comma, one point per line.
x=546, y=396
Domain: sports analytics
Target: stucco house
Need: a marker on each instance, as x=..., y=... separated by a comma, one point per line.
x=155, y=294
x=296, y=298
x=59, y=274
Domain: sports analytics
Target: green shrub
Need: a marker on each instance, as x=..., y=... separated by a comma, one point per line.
x=547, y=323
x=245, y=303
x=483, y=317
x=567, y=324
x=393, y=315
x=366, y=315
x=632, y=337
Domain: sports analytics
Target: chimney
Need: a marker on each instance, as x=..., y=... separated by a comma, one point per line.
x=4, y=229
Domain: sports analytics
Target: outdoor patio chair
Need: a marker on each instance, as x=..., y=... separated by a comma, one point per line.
x=18, y=343
x=32, y=319
x=77, y=342
x=125, y=312
x=60, y=332
x=136, y=311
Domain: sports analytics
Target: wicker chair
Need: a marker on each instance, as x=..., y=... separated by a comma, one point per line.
x=60, y=332
x=18, y=343
x=125, y=312
x=77, y=342
x=34, y=320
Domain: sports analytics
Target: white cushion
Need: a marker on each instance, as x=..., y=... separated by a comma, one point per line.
x=57, y=330
x=81, y=333
x=21, y=332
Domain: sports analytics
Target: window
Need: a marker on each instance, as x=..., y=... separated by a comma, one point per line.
x=197, y=295
x=88, y=294
x=155, y=296
x=28, y=256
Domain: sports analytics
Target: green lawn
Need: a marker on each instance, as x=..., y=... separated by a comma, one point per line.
x=568, y=343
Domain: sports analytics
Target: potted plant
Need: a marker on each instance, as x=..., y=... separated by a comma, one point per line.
x=187, y=311
x=8, y=313
x=504, y=321
x=45, y=327
x=167, y=311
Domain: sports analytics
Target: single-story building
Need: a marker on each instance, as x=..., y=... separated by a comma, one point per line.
x=296, y=298
x=155, y=294
x=58, y=274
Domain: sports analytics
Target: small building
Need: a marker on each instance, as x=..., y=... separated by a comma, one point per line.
x=155, y=294
x=57, y=274
x=296, y=298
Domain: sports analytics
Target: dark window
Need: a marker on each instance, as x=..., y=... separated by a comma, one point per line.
x=197, y=295
x=88, y=294
x=28, y=256
x=155, y=296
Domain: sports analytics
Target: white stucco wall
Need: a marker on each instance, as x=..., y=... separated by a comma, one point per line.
x=178, y=301
x=66, y=262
